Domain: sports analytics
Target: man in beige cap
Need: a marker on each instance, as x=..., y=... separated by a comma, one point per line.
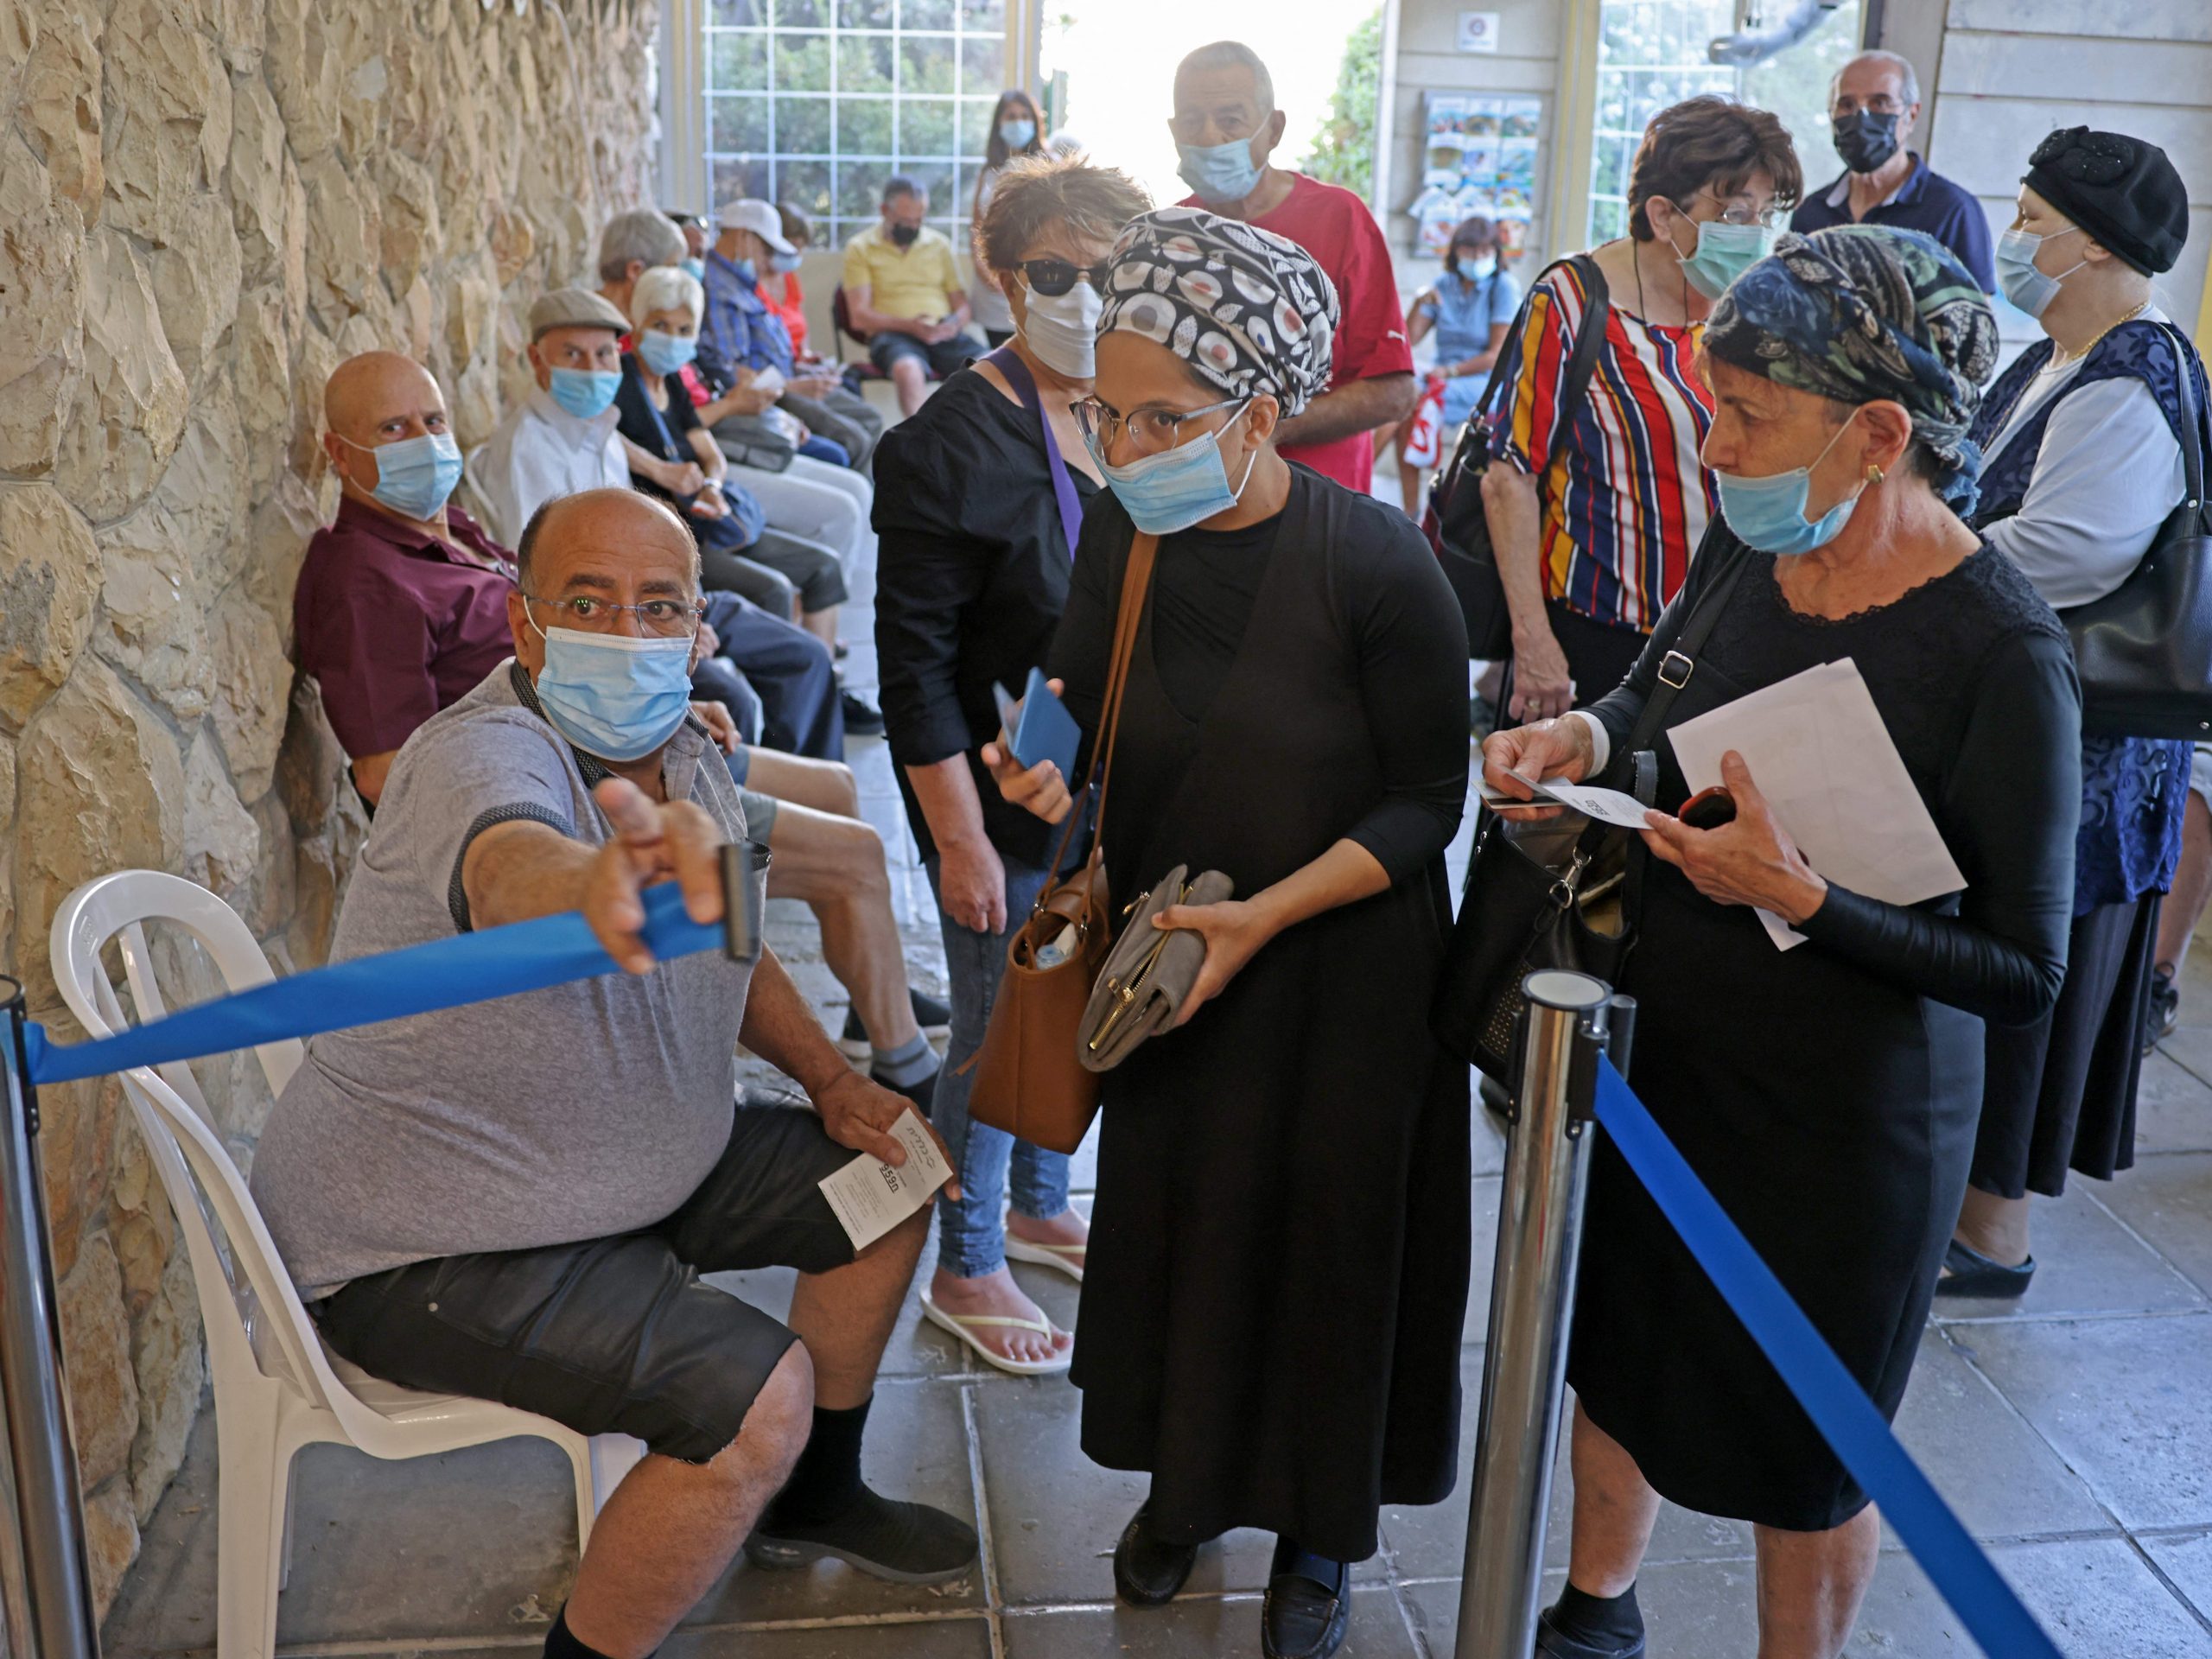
x=562, y=440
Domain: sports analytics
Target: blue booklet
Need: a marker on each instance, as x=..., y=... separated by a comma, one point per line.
x=1040, y=727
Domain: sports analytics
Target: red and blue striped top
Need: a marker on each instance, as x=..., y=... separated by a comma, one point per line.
x=1625, y=500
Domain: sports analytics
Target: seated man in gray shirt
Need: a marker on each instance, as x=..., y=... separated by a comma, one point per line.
x=514, y=1199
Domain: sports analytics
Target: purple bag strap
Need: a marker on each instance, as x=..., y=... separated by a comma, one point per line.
x=1009, y=364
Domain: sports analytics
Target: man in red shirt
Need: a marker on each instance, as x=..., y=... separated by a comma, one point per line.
x=1226, y=125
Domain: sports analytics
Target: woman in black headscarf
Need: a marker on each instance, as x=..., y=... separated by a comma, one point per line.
x=1278, y=1264
x=1825, y=1094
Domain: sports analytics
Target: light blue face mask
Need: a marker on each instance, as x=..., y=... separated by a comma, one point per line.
x=614, y=694
x=1018, y=133
x=1219, y=172
x=2020, y=280
x=783, y=263
x=414, y=475
x=1177, y=488
x=696, y=269
x=664, y=353
x=585, y=393
x=1723, y=253
x=1769, y=513
x=747, y=272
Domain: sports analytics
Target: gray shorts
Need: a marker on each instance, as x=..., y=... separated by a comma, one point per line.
x=760, y=812
x=2199, y=773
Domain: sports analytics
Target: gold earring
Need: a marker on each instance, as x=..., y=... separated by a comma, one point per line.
x=1873, y=474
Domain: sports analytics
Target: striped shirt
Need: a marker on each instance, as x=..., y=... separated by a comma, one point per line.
x=1625, y=500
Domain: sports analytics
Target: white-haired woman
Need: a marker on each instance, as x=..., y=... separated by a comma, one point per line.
x=658, y=416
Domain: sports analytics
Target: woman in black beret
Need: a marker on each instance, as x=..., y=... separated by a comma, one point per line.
x=2082, y=436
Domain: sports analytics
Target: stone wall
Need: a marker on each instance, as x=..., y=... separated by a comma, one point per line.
x=205, y=204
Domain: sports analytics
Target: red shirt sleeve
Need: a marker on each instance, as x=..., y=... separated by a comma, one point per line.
x=1371, y=338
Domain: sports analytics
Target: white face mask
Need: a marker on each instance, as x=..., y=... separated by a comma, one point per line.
x=1063, y=329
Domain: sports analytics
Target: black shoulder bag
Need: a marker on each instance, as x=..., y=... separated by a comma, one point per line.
x=2145, y=650
x=1558, y=892
x=1457, y=525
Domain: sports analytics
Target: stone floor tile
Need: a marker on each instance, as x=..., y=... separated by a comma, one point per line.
x=2094, y=1597
x=1998, y=1473
x=946, y=1638
x=1055, y=1515
x=1196, y=1627
x=2169, y=1201
x=917, y=1449
x=2124, y=1401
x=1692, y=1610
x=1485, y=1259
x=2173, y=1107
x=2086, y=1262
x=2186, y=1559
x=166, y=1601
x=1487, y=1136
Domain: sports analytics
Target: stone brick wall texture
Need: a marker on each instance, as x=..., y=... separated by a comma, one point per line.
x=205, y=206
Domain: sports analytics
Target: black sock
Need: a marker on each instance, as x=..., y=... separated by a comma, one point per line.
x=1292, y=1557
x=561, y=1642
x=1598, y=1621
x=828, y=1477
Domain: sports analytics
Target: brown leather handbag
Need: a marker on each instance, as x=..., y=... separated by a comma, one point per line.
x=1028, y=1079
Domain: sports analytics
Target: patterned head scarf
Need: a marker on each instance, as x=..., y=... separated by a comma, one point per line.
x=1862, y=313
x=1249, y=310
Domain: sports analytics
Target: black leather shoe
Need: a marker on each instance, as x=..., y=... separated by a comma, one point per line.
x=1969, y=1273
x=1303, y=1618
x=1550, y=1644
x=1148, y=1570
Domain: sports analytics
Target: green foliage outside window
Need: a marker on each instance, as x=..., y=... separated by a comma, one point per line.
x=1343, y=149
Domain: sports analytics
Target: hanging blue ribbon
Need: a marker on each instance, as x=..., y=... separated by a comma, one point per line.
x=444, y=974
x=1830, y=1395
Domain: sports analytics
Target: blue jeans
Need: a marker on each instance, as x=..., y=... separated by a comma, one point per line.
x=971, y=1235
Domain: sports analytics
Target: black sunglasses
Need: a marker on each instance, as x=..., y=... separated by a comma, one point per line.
x=1053, y=278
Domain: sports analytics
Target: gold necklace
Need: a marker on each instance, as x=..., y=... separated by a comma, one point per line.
x=2061, y=357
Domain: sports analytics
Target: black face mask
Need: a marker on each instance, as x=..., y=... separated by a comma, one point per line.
x=904, y=235
x=1865, y=139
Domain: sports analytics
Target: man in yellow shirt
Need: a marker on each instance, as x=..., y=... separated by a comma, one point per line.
x=905, y=295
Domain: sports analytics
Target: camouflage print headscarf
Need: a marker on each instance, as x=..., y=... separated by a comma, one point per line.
x=1863, y=314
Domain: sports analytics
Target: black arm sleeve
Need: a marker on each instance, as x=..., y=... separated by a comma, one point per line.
x=1410, y=645
x=928, y=571
x=2010, y=803
x=1619, y=710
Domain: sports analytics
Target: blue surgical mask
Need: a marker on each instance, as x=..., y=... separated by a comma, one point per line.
x=1723, y=252
x=1177, y=488
x=747, y=272
x=585, y=393
x=1769, y=513
x=783, y=263
x=1219, y=172
x=664, y=353
x=696, y=269
x=1018, y=133
x=2018, y=276
x=414, y=475
x=614, y=694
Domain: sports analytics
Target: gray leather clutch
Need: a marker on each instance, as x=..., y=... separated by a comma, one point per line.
x=1148, y=972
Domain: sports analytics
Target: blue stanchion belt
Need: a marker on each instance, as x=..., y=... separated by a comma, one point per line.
x=444, y=974
x=1830, y=1395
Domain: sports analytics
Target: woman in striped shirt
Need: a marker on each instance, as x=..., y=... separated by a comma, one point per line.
x=1596, y=508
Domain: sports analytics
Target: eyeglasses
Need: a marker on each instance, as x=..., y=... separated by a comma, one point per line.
x=1738, y=210
x=658, y=619
x=1151, y=430
x=1053, y=278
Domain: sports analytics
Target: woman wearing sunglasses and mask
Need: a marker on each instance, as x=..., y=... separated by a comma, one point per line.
x=980, y=498
x=1827, y=1094
x=2083, y=433
x=1278, y=1272
x=1594, y=530
x=1015, y=130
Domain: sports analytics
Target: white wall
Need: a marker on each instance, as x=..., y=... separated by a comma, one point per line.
x=2013, y=70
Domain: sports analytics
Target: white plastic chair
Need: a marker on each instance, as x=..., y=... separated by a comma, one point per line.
x=277, y=1388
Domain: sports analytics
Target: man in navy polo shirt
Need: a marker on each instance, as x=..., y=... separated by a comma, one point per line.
x=1873, y=109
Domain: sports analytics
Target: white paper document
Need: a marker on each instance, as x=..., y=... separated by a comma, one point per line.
x=870, y=1198
x=1818, y=752
x=1607, y=805
x=769, y=381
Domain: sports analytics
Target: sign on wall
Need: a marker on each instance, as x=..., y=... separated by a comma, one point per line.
x=1477, y=31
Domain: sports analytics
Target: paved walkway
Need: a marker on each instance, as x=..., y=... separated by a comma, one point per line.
x=2072, y=1433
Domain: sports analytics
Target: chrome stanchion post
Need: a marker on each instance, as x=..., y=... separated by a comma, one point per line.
x=45, y=1582
x=1531, y=1303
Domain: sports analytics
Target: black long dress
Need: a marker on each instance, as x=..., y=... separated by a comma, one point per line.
x=1826, y=1095
x=1278, y=1267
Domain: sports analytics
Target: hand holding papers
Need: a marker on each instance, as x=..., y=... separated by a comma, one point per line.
x=1816, y=747
x=870, y=1198
x=1607, y=805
